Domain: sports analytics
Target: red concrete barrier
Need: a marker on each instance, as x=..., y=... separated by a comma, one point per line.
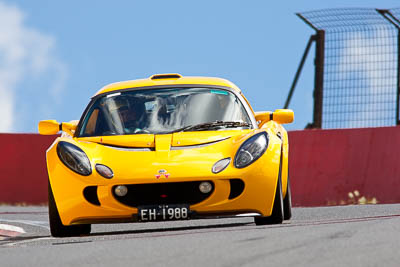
x=23, y=173
x=325, y=166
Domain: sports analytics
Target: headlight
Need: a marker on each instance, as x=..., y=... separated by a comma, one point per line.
x=251, y=150
x=74, y=158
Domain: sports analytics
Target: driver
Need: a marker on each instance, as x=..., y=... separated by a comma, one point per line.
x=132, y=116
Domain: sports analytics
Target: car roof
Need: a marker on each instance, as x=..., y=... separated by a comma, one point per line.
x=167, y=79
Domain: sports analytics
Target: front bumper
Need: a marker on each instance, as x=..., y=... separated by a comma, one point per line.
x=75, y=207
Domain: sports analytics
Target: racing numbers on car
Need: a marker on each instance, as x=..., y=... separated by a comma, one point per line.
x=177, y=213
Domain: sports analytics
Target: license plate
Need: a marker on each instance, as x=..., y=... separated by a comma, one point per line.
x=163, y=212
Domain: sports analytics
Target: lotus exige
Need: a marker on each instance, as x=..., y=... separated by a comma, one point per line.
x=167, y=148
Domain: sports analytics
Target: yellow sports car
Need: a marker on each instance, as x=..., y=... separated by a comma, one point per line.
x=167, y=148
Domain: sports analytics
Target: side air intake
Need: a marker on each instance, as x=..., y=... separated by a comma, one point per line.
x=90, y=194
x=237, y=187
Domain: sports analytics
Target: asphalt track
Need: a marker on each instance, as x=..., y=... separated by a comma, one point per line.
x=330, y=236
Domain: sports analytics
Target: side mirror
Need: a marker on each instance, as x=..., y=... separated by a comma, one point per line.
x=280, y=116
x=283, y=116
x=49, y=127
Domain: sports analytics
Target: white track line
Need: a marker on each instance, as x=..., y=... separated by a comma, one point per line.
x=22, y=242
x=10, y=230
x=43, y=224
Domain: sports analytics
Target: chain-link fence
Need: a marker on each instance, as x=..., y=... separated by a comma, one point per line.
x=357, y=67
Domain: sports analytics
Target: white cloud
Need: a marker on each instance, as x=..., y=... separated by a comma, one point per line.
x=26, y=56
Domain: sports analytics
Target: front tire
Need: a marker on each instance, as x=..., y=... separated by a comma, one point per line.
x=57, y=229
x=277, y=210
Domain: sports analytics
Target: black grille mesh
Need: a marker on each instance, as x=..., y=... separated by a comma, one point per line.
x=163, y=193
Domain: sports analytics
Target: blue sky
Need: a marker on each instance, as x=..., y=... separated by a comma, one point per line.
x=54, y=55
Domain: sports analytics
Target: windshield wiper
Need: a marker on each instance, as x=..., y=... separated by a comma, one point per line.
x=210, y=125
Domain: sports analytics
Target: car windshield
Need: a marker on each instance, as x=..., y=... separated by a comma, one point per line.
x=159, y=111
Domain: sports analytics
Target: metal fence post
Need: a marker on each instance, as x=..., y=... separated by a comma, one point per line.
x=319, y=78
x=398, y=80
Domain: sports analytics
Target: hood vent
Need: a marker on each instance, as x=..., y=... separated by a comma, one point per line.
x=166, y=76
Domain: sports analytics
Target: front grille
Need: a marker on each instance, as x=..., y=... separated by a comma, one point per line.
x=163, y=193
